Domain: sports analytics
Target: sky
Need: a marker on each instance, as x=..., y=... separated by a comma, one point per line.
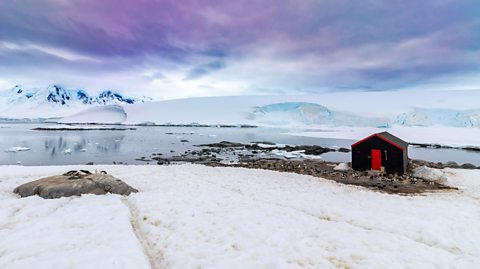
x=174, y=49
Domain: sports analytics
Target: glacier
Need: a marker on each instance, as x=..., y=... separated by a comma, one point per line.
x=304, y=113
x=439, y=116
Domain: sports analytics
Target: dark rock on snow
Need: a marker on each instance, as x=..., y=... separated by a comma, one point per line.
x=74, y=183
x=468, y=166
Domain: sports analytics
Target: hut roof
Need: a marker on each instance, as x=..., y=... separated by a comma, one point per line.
x=388, y=137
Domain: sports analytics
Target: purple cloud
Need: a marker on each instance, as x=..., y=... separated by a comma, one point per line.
x=261, y=46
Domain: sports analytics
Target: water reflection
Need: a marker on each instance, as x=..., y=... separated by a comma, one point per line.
x=61, y=144
x=106, y=147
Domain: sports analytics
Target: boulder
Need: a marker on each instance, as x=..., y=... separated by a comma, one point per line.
x=74, y=183
x=468, y=166
x=451, y=164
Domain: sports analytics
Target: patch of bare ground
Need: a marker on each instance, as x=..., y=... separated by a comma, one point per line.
x=389, y=183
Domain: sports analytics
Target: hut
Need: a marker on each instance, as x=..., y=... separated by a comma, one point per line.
x=382, y=152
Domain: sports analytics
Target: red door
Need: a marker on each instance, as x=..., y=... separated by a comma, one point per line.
x=376, y=159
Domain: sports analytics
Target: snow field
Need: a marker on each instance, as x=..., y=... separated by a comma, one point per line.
x=449, y=136
x=188, y=216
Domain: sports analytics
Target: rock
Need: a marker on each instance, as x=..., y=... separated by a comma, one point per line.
x=263, y=142
x=223, y=144
x=468, y=166
x=161, y=161
x=74, y=183
x=451, y=164
x=89, y=163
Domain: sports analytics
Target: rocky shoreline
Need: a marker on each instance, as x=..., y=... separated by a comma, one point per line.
x=231, y=152
x=389, y=183
x=305, y=159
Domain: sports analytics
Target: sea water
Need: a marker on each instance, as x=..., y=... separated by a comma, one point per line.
x=125, y=146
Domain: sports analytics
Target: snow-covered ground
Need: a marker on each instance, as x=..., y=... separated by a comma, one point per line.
x=191, y=216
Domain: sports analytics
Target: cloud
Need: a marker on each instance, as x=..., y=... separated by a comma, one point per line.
x=214, y=47
x=56, y=52
x=204, y=69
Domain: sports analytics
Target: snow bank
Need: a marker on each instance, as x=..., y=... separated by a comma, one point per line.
x=194, y=216
x=342, y=167
x=430, y=174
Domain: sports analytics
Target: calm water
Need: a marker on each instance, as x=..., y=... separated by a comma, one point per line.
x=106, y=147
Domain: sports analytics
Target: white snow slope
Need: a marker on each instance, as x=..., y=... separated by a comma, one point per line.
x=191, y=216
x=106, y=114
x=359, y=109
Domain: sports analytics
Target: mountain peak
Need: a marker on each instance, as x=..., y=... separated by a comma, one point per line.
x=58, y=95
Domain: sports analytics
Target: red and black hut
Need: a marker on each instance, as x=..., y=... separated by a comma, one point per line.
x=380, y=152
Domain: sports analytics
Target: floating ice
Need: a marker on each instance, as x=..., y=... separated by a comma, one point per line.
x=17, y=149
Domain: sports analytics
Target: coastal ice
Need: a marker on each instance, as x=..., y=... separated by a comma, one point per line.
x=17, y=149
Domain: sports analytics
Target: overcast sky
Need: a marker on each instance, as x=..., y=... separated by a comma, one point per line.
x=185, y=48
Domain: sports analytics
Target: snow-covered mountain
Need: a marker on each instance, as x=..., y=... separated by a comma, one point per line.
x=56, y=94
x=352, y=109
x=56, y=101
